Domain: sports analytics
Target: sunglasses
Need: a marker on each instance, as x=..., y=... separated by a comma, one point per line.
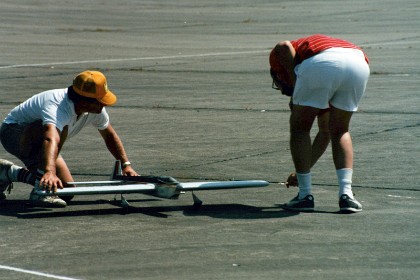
x=280, y=85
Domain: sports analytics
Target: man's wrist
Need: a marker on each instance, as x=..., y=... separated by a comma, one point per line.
x=126, y=163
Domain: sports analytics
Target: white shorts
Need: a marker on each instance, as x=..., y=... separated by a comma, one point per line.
x=337, y=76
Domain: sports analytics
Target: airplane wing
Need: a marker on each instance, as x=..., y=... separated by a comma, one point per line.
x=158, y=186
x=116, y=189
x=197, y=186
x=164, y=191
x=99, y=183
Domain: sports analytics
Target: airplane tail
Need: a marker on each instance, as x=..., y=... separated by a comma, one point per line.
x=117, y=171
x=117, y=175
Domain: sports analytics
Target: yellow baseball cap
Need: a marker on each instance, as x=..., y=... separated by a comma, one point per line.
x=93, y=84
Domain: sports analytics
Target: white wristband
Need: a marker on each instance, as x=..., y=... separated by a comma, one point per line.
x=126, y=164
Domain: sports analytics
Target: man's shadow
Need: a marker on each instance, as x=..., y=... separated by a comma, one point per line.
x=324, y=210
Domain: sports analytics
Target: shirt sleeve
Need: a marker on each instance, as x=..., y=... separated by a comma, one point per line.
x=101, y=121
x=52, y=114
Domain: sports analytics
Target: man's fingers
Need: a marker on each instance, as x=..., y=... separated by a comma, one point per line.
x=51, y=185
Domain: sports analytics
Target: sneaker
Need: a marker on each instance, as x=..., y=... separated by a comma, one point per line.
x=3, y=189
x=46, y=201
x=5, y=182
x=349, y=205
x=306, y=204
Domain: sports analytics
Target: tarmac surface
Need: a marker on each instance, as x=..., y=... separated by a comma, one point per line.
x=195, y=103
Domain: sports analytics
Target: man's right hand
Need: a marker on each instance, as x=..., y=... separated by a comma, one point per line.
x=291, y=181
x=50, y=182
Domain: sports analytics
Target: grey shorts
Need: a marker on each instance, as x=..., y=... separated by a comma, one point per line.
x=30, y=155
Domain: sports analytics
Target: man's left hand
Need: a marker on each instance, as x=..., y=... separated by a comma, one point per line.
x=129, y=171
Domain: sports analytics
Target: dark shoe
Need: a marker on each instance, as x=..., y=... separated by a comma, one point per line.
x=349, y=205
x=5, y=182
x=306, y=204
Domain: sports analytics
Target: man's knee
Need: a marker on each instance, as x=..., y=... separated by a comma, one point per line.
x=302, y=119
x=339, y=121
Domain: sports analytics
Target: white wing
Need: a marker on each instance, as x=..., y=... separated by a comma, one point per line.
x=196, y=186
x=164, y=191
x=118, y=189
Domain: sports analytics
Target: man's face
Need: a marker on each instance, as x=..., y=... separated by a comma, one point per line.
x=96, y=107
x=93, y=106
x=279, y=84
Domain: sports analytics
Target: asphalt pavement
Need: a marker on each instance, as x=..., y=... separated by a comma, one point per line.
x=196, y=103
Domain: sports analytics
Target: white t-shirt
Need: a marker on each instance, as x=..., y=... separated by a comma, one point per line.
x=54, y=107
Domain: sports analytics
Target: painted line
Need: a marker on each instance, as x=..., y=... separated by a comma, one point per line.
x=5, y=267
x=401, y=42
x=177, y=56
x=133, y=59
x=399, y=196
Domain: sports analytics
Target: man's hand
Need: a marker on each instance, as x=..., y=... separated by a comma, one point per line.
x=50, y=182
x=129, y=171
x=291, y=181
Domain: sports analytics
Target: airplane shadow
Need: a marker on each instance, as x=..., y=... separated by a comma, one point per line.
x=21, y=209
x=335, y=212
x=238, y=211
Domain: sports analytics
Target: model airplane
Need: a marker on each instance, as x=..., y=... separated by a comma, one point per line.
x=158, y=186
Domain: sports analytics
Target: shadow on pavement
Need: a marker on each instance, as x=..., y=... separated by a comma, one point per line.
x=21, y=209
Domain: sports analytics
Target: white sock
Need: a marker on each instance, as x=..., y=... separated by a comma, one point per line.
x=13, y=172
x=345, y=176
x=305, y=184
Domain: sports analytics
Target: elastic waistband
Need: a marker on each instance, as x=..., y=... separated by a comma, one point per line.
x=344, y=50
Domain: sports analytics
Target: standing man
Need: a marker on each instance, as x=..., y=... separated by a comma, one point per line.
x=36, y=130
x=321, y=72
x=322, y=138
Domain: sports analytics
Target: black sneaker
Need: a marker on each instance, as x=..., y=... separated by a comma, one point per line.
x=306, y=204
x=349, y=205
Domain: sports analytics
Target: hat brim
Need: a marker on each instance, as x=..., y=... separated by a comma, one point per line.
x=108, y=99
